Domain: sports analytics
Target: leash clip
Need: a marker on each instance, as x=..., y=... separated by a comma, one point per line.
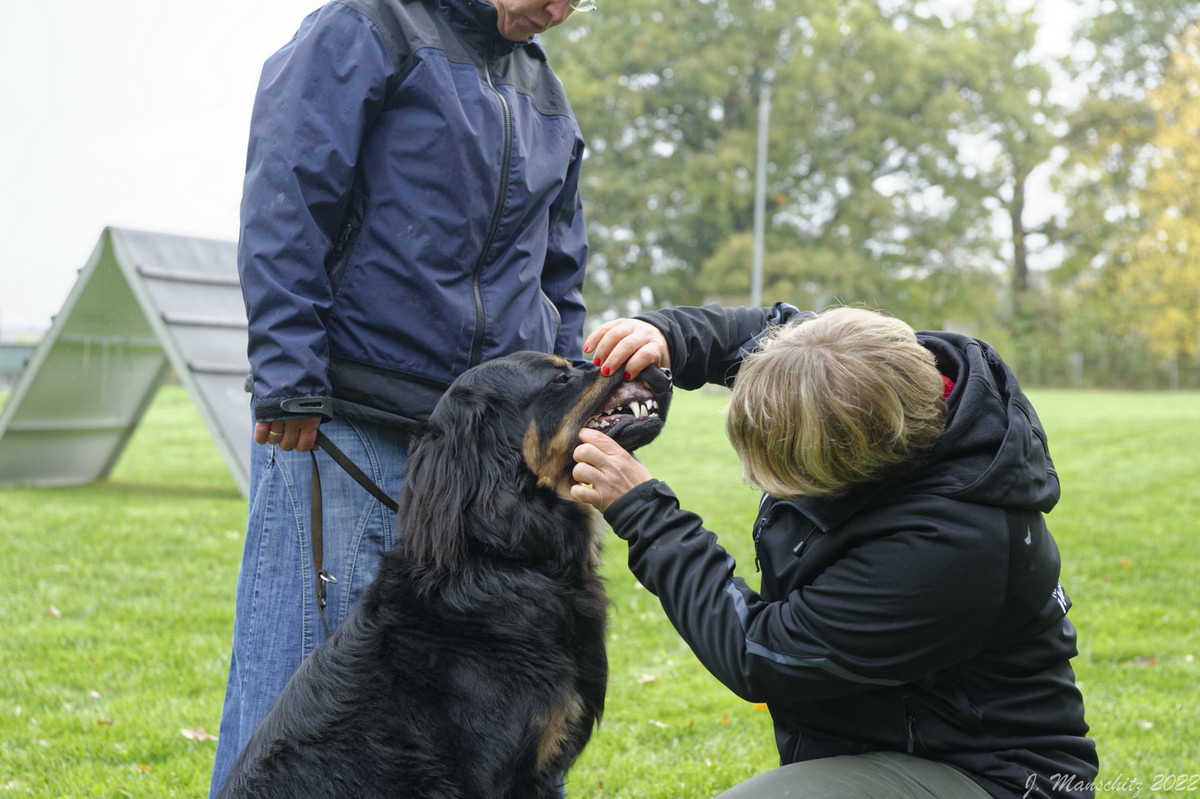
x=326, y=577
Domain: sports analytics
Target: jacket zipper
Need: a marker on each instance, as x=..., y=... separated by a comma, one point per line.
x=477, y=276
x=759, y=524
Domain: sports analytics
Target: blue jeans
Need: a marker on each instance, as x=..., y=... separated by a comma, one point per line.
x=276, y=620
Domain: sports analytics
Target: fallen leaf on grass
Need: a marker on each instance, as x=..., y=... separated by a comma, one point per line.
x=198, y=734
x=104, y=722
x=144, y=769
x=657, y=723
x=54, y=612
x=759, y=706
x=1126, y=562
x=1146, y=724
x=725, y=720
x=645, y=678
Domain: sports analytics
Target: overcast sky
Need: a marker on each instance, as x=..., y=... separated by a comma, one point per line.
x=131, y=113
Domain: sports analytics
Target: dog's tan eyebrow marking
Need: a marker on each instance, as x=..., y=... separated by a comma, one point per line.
x=558, y=360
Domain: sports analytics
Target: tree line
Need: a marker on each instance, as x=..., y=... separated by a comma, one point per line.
x=924, y=158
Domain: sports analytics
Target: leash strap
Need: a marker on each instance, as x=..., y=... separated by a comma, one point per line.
x=318, y=544
x=358, y=474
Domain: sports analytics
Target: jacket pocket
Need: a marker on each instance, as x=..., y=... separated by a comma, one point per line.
x=343, y=249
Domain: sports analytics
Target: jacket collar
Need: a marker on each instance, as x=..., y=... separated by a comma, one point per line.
x=830, y=512
x=477, y=20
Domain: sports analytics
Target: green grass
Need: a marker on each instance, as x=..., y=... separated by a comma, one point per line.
x=118, y=600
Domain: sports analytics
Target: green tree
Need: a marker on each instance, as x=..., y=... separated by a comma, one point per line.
x=869, y=200
x=1018, y=124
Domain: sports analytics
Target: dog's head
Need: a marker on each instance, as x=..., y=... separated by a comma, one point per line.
x=504, y=431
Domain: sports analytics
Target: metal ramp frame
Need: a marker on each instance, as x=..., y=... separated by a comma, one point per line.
x=144, y=304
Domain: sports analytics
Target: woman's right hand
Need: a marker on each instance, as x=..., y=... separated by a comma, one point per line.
x=627, y=343
x=289, y=434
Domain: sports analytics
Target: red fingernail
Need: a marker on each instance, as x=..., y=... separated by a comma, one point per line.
x=597, y=361
x=587, y=348
x=606, y=371
x=628, y=376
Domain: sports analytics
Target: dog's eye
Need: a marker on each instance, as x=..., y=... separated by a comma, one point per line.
x=565, y=377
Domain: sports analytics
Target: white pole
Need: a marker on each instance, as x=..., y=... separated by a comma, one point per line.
x=760, y=188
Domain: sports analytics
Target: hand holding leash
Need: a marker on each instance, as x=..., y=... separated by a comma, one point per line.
x=288, y=434
x=604, y=470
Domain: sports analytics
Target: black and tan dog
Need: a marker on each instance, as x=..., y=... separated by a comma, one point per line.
x=474, y=667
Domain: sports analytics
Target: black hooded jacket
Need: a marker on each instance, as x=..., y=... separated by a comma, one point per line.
x=919, y=614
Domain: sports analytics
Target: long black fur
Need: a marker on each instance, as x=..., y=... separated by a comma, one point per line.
x=474, y=667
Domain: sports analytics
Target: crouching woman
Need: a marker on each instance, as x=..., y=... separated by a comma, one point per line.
x=910, y=635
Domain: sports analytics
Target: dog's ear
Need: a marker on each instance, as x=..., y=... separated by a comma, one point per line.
x=461, y=477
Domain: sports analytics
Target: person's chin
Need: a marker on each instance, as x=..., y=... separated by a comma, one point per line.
x=519, y=31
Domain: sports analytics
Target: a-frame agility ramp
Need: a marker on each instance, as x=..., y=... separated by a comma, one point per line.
x=145, y=304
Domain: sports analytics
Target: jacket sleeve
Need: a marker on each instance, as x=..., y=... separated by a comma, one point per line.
x=874, y=618
x=707, y=344
x=315, y=99
x=566, y=261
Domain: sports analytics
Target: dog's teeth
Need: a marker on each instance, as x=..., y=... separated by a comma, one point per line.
x=637, y=410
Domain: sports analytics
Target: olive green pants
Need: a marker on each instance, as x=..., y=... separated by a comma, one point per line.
x=876, y=775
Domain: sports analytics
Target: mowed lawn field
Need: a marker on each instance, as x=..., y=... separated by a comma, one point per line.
x=117, y=603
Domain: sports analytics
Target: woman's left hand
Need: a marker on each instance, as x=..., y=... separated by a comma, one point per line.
x=604, y=471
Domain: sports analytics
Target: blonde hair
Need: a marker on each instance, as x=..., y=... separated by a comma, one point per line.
x=825, y=404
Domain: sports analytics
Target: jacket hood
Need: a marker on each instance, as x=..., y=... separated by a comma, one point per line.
x=994, y=449
x=992, y=452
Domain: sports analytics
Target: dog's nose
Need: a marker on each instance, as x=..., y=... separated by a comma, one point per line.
x=667, y=374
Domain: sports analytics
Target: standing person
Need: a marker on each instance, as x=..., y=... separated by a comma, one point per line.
x=910, y=636
x=411, y=208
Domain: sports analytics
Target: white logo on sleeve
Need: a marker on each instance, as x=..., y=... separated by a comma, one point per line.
x=1061, y=596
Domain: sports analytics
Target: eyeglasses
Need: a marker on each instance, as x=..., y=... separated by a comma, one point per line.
x=583, y=5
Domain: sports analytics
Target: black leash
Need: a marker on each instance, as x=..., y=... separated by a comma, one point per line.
x=318, y=546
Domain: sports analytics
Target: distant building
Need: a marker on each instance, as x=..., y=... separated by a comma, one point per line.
x=13, y=358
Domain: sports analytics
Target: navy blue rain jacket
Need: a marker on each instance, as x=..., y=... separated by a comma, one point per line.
x=411, y=208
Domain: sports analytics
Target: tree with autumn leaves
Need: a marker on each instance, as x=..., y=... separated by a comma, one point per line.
x=1162, y=281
